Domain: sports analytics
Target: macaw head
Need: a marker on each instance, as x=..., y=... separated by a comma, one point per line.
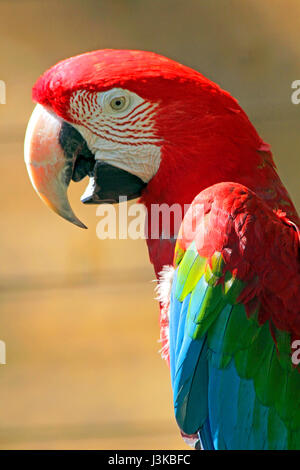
x=138, y=124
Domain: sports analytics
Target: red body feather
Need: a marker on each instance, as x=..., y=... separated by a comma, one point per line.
x=260, y=246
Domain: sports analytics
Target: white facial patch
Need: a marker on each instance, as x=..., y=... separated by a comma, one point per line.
x=119, y=128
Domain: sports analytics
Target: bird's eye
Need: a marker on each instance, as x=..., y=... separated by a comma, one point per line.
x=119, y=103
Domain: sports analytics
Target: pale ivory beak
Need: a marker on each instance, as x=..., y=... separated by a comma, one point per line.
x=49, y=169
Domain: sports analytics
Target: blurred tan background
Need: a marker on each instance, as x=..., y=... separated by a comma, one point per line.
x=77, y=313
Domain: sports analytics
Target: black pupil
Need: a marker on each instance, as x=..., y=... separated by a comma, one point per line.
x=118, y=103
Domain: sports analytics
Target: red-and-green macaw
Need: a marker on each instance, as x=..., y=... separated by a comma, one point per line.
x=139, y=124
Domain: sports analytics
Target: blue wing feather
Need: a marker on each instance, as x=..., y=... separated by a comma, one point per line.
x=189, y=368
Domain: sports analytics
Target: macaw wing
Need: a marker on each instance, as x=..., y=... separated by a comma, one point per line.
x=232, y=376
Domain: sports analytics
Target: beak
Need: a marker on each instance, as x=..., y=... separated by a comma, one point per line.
x=56, y=153
x=49, y=166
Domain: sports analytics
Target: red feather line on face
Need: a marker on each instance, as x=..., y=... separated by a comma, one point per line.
x=85, y=110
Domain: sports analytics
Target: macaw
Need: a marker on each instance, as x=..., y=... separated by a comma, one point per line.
x=142, y=125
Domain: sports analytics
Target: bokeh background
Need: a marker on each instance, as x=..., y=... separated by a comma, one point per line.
x=78, y=314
